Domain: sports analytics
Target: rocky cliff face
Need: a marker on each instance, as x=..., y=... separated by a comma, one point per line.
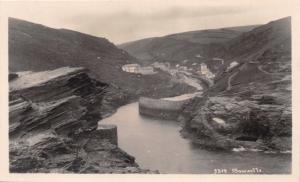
x=53, y=124
x=249, y=105
x=233, y=122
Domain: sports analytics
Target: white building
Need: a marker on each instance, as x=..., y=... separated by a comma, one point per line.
x=232, y=65
x=147, y=70
x=136, y=68
x=131, y=68
x=205, y=71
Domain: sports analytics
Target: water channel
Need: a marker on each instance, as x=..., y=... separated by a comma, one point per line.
x=157, y=144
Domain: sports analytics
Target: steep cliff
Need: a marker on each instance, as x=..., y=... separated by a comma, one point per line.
x=53, y=124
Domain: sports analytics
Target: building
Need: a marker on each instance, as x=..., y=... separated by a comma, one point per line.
x=232, y=65
x=136, y=68
x=205, y=71
x=131, y=68
x=147, y=70
x=218, y=59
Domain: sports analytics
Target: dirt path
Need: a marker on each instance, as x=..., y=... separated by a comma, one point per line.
x=192, y=82
x=234, y=74
x=229, y=80
x=268, y=73
x=262, y=70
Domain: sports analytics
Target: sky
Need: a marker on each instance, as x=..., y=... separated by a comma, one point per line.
x=127, y=20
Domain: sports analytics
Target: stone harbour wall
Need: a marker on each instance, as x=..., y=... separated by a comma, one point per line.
x=158, y=108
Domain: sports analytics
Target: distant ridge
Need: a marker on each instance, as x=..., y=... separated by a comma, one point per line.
x=191, y=41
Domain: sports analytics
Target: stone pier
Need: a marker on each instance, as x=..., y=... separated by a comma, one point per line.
x=105, y=136
x=163, y=109
x=108, y=132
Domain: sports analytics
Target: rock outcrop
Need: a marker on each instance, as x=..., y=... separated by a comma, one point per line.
x=12, y=76
x=53, y=124
x=232, y=122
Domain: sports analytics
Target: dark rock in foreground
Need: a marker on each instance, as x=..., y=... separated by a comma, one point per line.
x=53, y=125
x=12, y=76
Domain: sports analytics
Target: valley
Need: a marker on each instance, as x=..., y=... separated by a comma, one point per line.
x=209, y=95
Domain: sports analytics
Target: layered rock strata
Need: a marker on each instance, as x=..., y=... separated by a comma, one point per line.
x=53, y=124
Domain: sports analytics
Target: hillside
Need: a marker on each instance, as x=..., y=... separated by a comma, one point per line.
x=212, y=35
x=249, y=106
x=186, y=45
x=264, y=53
x=34, y=47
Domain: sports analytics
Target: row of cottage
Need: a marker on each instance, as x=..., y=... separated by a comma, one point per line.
x=147, y=70
x=136, y=68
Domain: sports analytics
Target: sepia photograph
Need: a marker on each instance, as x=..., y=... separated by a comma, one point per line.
x=149, y=87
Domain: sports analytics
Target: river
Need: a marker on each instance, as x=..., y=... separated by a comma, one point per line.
x=157, y=145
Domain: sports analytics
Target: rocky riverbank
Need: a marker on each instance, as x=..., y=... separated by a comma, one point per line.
x=232, y=122
x=53, y=124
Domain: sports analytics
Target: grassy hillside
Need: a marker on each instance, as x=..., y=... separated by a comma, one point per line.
x=34, y=47
x=211, y=35
x=264, y=55
x=186, y=45
x=253, y=98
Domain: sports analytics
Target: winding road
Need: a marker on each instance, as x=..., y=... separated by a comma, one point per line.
x=268, y=73
x=229, y=80
x=259, y=67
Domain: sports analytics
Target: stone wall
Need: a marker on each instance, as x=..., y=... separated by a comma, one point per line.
x=103, y=132
x=164, y=109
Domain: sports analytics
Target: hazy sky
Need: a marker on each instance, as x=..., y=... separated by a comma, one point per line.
x=126, y=20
